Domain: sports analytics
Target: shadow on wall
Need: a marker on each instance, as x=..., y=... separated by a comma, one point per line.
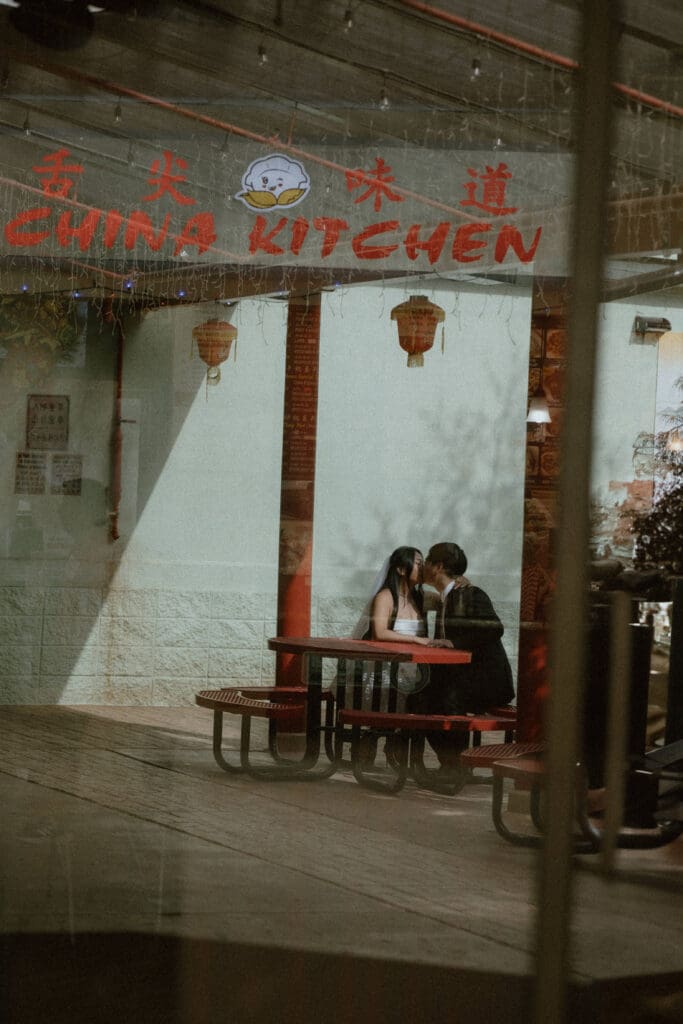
x=444, y=500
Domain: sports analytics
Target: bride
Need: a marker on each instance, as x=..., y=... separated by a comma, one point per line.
x=397, y=611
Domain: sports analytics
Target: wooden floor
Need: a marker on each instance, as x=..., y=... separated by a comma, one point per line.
x=140, y=882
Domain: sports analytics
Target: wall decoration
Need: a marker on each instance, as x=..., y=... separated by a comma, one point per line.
x=532, y=460
x=556, y=343
x=30, y=473
x=553, y=380
x=66, y=472
x=536, y=343
x=550, y=462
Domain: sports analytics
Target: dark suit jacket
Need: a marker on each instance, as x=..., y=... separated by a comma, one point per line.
x=469, y=621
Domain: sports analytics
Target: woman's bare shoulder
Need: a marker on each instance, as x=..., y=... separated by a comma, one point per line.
x=383, y=597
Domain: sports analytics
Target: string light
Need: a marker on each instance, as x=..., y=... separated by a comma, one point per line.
x=348, y=19
x=476, y=69
x=384, y=101
x=118, y=113
x=262, y=55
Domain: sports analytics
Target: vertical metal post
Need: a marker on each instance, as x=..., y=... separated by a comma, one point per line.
x=567, y=655
x=618, y=705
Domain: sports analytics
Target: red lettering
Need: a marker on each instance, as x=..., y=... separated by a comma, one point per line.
x=200, y=230
x=510, y=238
x=259, y=240
x=464, y=243
x=299, y=231
x=15, y=236
x=84, y=231
x=332, y=228
x=111, y=228
x=140, y=224
x=432, y=245
x=374, y=252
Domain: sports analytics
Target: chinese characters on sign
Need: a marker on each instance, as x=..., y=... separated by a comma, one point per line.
x=47, y=422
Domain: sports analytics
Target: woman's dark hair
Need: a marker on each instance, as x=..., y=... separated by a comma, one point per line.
x=402, y=558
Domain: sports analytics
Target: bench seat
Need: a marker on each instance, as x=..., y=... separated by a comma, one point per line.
x=405, y=746
x=530, y=772
x=283, y=703
x=280, y=706
x=486, y=755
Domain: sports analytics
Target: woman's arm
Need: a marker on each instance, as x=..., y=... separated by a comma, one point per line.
x=380, y=616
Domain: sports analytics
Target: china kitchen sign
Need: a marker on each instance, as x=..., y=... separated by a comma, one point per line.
x=276, y=212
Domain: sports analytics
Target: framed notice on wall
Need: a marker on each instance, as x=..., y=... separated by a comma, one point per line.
x=47, y=422
x=30, y=473
x=66, y=474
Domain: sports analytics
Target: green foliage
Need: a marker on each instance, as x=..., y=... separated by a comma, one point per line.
x=658, y=532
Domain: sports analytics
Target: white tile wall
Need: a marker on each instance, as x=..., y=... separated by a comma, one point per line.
x=90, y=645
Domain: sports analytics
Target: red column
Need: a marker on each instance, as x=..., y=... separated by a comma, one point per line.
x=298, y=480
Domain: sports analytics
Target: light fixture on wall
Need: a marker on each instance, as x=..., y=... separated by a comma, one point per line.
x=416, y=320
x=651, y=328
x=538, y=405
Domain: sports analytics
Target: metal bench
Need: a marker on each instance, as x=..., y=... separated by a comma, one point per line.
x=281, y=706
x=529, y=772
x=405, y=734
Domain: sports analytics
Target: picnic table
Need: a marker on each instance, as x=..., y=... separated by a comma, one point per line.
x=301, y=708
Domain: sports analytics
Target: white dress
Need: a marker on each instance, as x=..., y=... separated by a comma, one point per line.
x=409, y=677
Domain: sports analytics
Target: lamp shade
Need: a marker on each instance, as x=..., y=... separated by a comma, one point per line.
x=538, y=410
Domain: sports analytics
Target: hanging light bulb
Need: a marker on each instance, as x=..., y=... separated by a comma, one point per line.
x=498, y=143
x=27, y=126
x=118, y=113
x=476, y=69
x=262, y=55
x=384, y=101
x=348, y=19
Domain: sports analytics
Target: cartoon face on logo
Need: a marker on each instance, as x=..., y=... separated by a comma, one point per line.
x=272, y=182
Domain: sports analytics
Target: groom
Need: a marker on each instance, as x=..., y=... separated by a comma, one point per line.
x=465, y=619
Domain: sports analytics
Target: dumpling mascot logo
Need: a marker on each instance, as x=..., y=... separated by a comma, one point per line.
x=275, y=181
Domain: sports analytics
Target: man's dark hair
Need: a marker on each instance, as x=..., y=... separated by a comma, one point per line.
x=452, y=558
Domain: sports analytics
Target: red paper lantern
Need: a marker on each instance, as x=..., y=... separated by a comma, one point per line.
x=214, y=339
x=416, y=320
